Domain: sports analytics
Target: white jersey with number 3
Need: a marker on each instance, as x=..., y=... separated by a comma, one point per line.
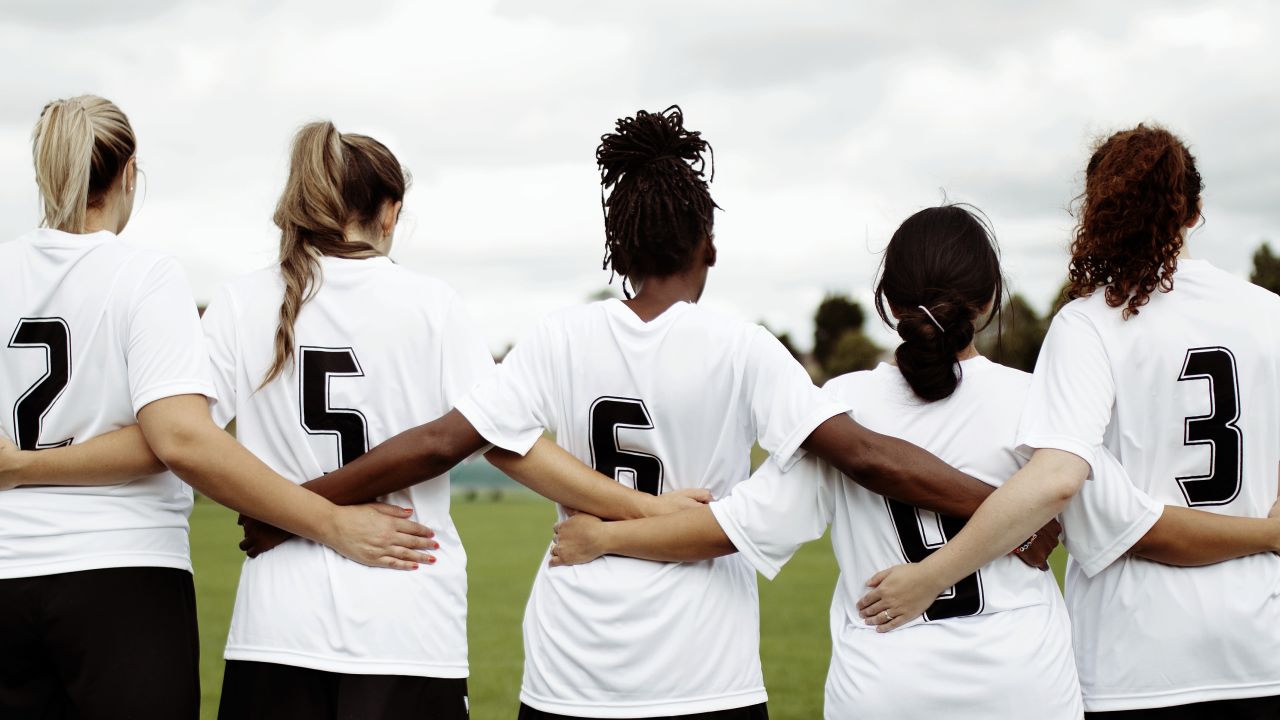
x=94, y=330
x=379, y=350
x=998, y=643
x=1186, y=395
x=662, y=405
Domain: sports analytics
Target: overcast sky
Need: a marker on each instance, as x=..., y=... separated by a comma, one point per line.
x=831, y=122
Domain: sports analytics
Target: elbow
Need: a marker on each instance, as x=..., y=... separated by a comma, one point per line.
x=177, y=446
x=1061, y=488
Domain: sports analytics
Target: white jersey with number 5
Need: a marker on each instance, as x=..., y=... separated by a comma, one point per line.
x=94, y=330
x=379, y=350
x=669, y=404
x=998, y=643
x=1187, y=396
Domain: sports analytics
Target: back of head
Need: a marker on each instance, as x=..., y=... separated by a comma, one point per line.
x=939, y=273
x=336, y=181
x=659, y=207
x=1142, y=189
x=79, y=146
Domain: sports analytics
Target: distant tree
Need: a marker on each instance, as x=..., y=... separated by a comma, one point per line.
x=836, y=315
x=1014, y=341
x=854, y=351
x=1266, y=269
x=604, y=293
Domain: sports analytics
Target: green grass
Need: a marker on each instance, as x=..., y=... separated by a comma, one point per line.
x=505, y=540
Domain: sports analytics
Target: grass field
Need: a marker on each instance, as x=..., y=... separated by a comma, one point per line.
x=505, y=539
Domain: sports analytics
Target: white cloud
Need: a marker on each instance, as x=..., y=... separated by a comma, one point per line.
x=831, y=121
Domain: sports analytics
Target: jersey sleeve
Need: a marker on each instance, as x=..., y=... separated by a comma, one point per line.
x=785, y=405
x=1107, y=517
x=512, y=406
x=164, y=350
x=770, y=515
x=1072, y=391
x=465, y=358
x=222, y=346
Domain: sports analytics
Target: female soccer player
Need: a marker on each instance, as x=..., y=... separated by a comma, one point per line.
x=997, y=643
x=1174, y=367
x=97, y=607
x=655, y=392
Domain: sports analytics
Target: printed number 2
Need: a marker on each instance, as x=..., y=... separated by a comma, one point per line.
x=962, y=600
x=1217, y=429
x=608, y=414
x=316, y=366
x=52, y=335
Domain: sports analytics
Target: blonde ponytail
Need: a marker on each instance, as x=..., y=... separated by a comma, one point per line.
x=335, y=180
x=79, y=147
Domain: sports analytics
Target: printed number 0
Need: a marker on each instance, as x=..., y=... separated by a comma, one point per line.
x=608, y=414
x=54, y=337
x=1217, y=429
x=316, y=366
x=963, y=599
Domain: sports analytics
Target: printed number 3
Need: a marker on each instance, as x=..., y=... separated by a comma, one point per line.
x=1217, y=429
x=52, y=335
x=608, y=414
x=316, y=366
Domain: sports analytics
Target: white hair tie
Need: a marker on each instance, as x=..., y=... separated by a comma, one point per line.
x=934, y=319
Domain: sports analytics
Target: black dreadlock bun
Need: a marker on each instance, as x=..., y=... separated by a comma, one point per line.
x=659, y=208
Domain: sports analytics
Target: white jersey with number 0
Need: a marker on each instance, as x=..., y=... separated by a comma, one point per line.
x=94, y=331
x=1187, y=395
x=669, y=404
x=379, y=350
x=998, y=643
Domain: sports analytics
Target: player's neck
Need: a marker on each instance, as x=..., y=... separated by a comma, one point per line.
x=655, y=296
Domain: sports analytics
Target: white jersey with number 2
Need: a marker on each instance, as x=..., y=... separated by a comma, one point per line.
x=379, y=349
x=1186, y=395
x=662, y=405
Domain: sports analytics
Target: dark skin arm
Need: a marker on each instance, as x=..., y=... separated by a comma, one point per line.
x=898, y=470
x=1190, y=538
x=433, y=449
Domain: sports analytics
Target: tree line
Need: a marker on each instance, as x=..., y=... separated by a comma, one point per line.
x=841, y=345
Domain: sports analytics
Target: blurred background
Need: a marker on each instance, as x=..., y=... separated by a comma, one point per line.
x=831, y=122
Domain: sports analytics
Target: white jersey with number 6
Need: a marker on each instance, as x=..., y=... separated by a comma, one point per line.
x=662, y=405
x=380, y=349
x=998, y=643
x=1187, y=396
x=94, y=330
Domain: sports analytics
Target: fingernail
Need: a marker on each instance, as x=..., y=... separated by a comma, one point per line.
x=415, y=566
x=431, y=559
x=435, y=546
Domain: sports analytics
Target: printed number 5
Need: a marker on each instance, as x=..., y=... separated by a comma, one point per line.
x=316, y=365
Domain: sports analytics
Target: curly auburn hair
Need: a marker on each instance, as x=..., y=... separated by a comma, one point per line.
x=1141, y=189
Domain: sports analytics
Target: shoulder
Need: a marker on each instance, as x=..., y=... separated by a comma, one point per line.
x=854, y=386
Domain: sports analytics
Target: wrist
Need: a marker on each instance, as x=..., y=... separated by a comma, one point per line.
x=606, y=537
x=645, y=506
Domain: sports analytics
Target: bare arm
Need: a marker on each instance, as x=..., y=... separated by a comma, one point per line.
x=1034, y=495
x=185, y=438
x=685, y=536
x=113, y=458
x=1192, y=537
x=896, y=469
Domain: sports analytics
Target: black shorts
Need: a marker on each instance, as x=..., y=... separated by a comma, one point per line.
x=1263, y=708
x=751, y=712
x=268, y=691
x=100, y=645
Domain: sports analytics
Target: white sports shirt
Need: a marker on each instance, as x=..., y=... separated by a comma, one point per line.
x=379, y=349
x=998, y=644
x=95, y=331
x=673, y=403
x=1187, y=396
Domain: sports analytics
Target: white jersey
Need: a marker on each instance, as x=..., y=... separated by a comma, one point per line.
x=998, y=643
x=1187, y=396
x=96, y=330
x=379, y=350
x=670, y=404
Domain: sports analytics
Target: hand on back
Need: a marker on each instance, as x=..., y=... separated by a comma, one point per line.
x=373, y=534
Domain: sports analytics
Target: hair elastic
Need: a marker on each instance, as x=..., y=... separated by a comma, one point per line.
x=934, y=319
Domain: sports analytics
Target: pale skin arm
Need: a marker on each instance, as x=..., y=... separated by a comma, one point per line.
x=686, y=536
x=1041, y=489
x=186, y=440
x=113, y=458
